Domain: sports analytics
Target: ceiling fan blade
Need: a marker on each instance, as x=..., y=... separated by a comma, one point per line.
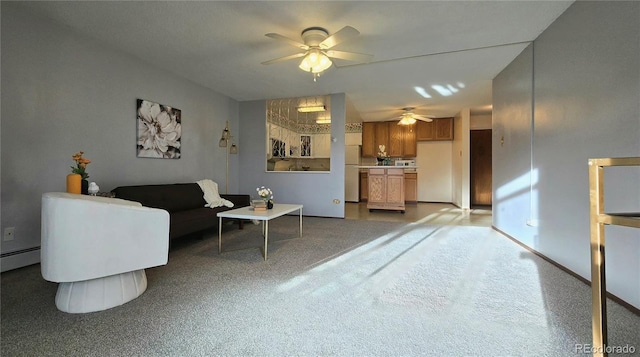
x=351, y=56
x=285, y=58
x=344, y=34
x=294, y=43
x=423, y=118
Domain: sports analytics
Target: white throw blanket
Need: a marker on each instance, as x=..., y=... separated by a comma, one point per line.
x=211, y=194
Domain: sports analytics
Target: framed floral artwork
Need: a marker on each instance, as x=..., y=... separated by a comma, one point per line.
x=159, y=130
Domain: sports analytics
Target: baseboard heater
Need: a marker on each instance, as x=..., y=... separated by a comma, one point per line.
x=19, y=258
x=4, y=255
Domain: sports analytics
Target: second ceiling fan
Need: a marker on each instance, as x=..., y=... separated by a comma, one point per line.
x=409, y=117
x=316, y=44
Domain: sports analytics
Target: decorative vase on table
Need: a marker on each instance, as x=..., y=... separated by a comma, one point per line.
x=269, y=204
x=74, y=183
x=85, y=187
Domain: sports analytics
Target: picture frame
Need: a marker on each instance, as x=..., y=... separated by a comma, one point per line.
x=159, y=130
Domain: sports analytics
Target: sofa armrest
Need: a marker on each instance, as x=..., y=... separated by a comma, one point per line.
x=238, y=200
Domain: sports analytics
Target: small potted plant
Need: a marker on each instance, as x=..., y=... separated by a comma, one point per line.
x=266, y=195
x=382, y=155
x=77, y=179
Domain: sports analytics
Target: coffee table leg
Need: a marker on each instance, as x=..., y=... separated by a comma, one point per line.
x=219, y=235
x=266, y=238
x=300, y=222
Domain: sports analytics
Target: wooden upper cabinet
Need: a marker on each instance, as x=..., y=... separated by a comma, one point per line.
x=444, y=129
x=399, y=140
x=382, y=137
x=373, y=135
x=396, y=140
x=369, y=148
x=410, y=147
x=438, y=129
x=425, y=130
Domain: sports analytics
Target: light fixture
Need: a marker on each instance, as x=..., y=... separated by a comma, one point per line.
x=407, y=119
x=315, y=62
x=312, y=109
x=323, y=121
x=231, y=149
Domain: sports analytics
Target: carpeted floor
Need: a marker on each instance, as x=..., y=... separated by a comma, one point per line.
x=347, y=288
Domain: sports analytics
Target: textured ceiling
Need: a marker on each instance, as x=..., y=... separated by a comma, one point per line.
x=221, y=44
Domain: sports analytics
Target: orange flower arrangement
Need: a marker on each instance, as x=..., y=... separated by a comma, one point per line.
x=81, y=165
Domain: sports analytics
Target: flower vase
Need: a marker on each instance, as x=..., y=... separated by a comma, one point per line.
x=85, y=187
x=74, y=183
x=269, y=204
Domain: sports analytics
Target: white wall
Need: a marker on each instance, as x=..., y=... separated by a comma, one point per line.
x=434, y=171
x=315, y=190
x=514, y=182
x=585, y=105
x=480, y=122
x=62, y=93
x=460, y=158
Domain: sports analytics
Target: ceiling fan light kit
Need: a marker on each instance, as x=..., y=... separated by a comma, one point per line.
x=316, y=58
x=406, y=120
x=409, y=117
x=315, y=62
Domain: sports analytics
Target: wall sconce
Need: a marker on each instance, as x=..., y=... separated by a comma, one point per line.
x=230, y=149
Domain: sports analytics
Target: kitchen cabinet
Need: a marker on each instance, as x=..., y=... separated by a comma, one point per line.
x=382, y=136
x=411, y=187
x=399, y=140
x=437, y=130
x=409, y=144
x=364, y=186
x=374, y=134
x=396, y=140
x=386, y=189
x=369, y=139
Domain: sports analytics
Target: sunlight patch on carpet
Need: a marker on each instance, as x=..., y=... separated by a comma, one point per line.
x=360, y=265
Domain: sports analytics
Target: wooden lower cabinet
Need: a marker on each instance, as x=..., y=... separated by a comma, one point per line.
x=386, y=189
x=411, y=187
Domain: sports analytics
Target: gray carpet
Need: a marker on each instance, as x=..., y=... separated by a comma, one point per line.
x=347, y=288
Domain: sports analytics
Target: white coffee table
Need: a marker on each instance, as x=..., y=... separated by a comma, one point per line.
x=278, y=210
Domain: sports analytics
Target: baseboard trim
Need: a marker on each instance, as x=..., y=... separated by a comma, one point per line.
x=20, y=258
x=618, y=300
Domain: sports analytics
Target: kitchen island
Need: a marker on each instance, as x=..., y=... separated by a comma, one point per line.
x=386, y=187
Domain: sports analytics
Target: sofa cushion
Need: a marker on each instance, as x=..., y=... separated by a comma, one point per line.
x=171, y=197
x=194, y=220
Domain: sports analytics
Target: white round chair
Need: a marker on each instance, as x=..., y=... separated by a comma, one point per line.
x=97, y=248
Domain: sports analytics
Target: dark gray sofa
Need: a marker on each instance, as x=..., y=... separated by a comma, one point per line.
x=184, y=202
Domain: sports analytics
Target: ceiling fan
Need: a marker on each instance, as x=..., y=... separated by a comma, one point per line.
x=409, y=117
x=316, y=44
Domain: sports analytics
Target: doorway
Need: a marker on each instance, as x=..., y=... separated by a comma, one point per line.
x=480, y=160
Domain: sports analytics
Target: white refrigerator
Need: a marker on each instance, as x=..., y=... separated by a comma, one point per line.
x=352, y=173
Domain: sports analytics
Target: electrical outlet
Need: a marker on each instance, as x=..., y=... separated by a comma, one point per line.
x=336, y=201
x=9, y=233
